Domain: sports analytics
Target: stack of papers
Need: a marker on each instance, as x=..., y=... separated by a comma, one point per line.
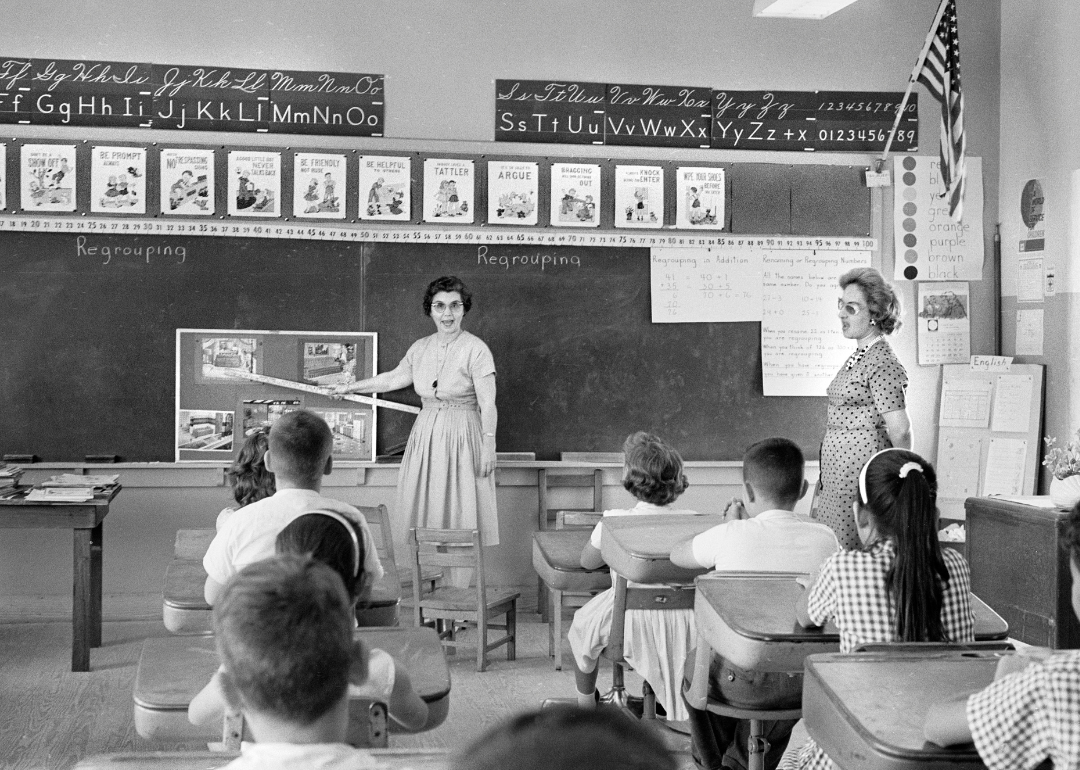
x=71, y=488
x=60, y=495
x=9, y=475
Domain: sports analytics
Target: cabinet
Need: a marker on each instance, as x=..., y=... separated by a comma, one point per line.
x=1019, y=568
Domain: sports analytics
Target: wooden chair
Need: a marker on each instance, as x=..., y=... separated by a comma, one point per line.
x=557, y=561
x=473, y=606
x=669, y=597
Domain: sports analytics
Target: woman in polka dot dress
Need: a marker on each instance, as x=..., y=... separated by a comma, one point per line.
x=867, y=404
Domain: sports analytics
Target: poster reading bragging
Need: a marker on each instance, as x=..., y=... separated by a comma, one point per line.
x=187, y=182
x=575, y=195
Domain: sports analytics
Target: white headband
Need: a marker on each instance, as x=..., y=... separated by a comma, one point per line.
x=349, y=527
x=905, y=469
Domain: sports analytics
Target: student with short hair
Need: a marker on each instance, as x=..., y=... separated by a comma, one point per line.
x=1031, y=712
x=336, y=541
x=283, y=628
x=656, y=641
x=299, y=455
x=764, y=534
x=567, y=737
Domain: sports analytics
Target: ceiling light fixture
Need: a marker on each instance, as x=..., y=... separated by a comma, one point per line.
x=798, y=9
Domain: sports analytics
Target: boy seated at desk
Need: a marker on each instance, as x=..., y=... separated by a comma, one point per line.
x=762, y=534
x=1031, y=712
x=299, y=455
x=284, y=634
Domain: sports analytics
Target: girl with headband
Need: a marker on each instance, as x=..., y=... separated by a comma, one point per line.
x=329, y=537
x=901, y=586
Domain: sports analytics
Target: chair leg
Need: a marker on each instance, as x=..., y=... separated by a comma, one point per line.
x=481, y=641
x=757, y=746
x=542, y=596
x=648, y=707
x=511, y=631
x=556, y=626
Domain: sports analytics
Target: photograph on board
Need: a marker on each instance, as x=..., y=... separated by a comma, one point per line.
x=575, y=195
x=257, y=413
x=204, y=430
x=329, y=363
x=385, y=185
x=513, y=188
x=318, y=186
x=254, y=184
x=223, y=358
x=448, y=190
x=118, y=180
x=47, y=174
x=639, y=196
x=187, y=182
x=350, y=430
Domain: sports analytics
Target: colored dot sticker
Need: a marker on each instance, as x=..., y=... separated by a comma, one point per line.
x=908, y=163
x=910, y=193
x=910, y=209
x=911, y=256
x=911, y=273
x=909, y=178
x=910, y=240
x=909, y=224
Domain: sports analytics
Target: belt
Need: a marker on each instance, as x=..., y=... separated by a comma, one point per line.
x=434, y=403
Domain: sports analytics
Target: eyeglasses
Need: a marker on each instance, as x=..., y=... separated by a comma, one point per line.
x=441, y=307
x=848, y=308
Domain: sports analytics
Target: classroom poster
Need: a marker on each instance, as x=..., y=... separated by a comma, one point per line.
x=513, y=189
x=206, y=431
x=187, y=182
x=3, y=176
x=254, y=183
x=575, y=195
x=639, y=196
x=448, y=190
x=385, y=185
x=706, y=285
x=930, y=246
x=1032, y=214
x=699, y=198
x=118, y=180
x=944, y=323
x=318, y=186
x=47, y=177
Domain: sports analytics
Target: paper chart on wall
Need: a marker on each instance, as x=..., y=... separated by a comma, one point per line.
x=1005, y=461
x=705, y=285
x=47, y=177
x=1029, y=332
x=448, y=190
x=385, y=185
x=639, y=196
x=699, y=202
x=1012, y=403
x=254, y=184
x=513, y=192
x=965, y=403
x=958, y=467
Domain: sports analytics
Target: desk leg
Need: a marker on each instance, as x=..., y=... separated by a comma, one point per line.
x=82, y=601
x=97, y=550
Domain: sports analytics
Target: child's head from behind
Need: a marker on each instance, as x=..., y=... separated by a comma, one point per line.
x=300, y=447
x=653, y=471
x=250, y=479
x=332, y=539
x=773, y=471
x=898, y=502
x=568, y=738
x=284, y=634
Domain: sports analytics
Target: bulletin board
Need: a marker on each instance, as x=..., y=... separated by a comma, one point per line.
x=989, y=424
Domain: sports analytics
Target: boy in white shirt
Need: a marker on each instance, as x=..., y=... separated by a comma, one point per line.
x=299, y=455
x=763, y=534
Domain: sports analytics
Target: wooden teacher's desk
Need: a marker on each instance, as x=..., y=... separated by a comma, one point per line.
x=638, y=548
x=85, y=521
x=867, y=710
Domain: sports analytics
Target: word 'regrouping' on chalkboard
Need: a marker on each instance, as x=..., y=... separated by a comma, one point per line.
x=682, y=116
x=189, y=97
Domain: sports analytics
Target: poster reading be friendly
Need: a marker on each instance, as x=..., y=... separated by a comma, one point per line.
x=575, y=195
x=385, y=185
x=118, y=180
x=47, y=176
x=187, y=182
x=254, y=183
x=318, y=186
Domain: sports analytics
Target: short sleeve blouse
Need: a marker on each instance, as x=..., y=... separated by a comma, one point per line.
x=465, y=360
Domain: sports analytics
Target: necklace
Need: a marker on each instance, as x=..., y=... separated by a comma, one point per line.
x=442, y=353
x=859, y=353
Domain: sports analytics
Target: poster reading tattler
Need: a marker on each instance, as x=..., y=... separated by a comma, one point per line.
x=699, y=203
x=448, y=190
x=385, y=185
x=118, y=180
x=47, y=177
x=639, y=196
x=254, y=183
x=318, y=186
x=187, y=182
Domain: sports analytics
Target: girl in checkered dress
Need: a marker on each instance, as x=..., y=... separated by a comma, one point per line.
x=902, y=586
x=1031, y=712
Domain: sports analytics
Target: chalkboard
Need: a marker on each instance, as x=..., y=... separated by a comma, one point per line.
x=88, y=327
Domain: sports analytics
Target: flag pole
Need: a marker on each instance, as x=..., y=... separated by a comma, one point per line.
x=879, y=164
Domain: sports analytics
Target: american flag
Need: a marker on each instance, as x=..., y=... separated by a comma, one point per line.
x=940, y=73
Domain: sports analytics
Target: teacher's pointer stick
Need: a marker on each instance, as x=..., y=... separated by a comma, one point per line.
x=304, y=387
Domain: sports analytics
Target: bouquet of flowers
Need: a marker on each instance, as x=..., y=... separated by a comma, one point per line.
x=1063, y=461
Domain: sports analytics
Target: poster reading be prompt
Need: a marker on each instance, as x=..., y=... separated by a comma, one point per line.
x=930, y=246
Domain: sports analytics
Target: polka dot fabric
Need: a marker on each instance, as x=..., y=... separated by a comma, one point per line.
x=858, y=397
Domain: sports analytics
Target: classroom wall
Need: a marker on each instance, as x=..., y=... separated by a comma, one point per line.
x=1040, y=77
x=440, y=60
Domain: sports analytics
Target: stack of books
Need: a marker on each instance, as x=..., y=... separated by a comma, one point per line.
x=71, y=488
x=9, y=480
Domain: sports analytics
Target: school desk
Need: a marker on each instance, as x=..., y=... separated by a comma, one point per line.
x=750, y=617
x=185, y=611
x=173, y=669
x=392, y=759
x=85, y=521
x=639, y=547
x=867, y=710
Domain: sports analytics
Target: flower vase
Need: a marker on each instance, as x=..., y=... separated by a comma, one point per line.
x=1065, y=493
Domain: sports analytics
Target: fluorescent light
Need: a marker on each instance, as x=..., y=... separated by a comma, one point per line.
x=799, y=9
